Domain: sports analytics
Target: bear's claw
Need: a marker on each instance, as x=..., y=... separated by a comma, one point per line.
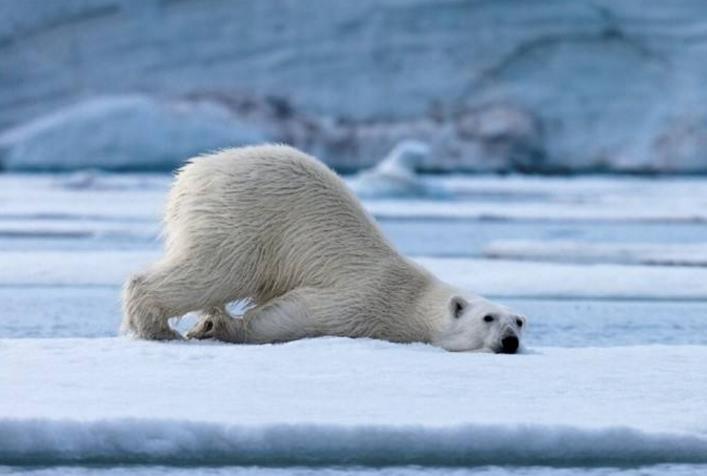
x=204, y=329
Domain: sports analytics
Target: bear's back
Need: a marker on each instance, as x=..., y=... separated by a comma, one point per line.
x=278, y=206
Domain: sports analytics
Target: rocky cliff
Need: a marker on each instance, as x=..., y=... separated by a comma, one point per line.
x=545, y=86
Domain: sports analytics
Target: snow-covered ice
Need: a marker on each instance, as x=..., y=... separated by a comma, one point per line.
x=556, y=199
x=491, y=198
x=110, y=400
x=559, y=280
x=485, y=276
x=395, y=176
x=94, y=311
x=529, y=211
x=680, y=254
x=614, y=372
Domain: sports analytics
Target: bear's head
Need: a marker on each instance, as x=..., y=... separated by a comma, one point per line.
x=472, y=323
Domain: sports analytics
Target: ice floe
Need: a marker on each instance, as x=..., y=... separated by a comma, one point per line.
x=343, y=401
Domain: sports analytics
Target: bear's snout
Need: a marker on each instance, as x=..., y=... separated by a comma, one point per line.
x=509, y=345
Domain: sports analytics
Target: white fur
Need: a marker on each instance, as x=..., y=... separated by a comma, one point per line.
x=271, y=225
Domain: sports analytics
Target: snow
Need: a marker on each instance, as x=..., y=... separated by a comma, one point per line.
x=114, y=399
x=102, y=197
x=429, y=209
x=613, y=373
x=141, y=198
x=95, y=311
x=552, y=199
x=84, y=228
x=567, y=281
x=484, y=276
x=692, y=254
x=395, y=175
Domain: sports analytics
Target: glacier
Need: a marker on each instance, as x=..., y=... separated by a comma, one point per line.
x=587, y=85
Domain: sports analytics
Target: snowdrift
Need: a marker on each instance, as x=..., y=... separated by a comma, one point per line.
x=341, y=401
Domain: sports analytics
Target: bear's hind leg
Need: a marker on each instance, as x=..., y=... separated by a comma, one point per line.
x=143, y=316
x=150, y=299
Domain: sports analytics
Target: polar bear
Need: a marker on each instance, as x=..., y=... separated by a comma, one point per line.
x=273, y=226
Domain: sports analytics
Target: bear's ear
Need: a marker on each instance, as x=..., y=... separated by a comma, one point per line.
x=457, y=306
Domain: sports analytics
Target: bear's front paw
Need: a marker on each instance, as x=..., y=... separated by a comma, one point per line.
x=218, y=325
x=204, y=329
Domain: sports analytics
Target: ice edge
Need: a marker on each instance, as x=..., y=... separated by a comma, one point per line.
x=186, y=443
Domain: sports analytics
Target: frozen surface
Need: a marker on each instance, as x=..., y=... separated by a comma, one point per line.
x=413, y=236
x=83, y=196
x=485, y=276
x=395, y=175
x=141, y=197
x=551, y=280
x=471, y=237
x=614, y=374
x=556, y=199
x=692, y=254
x=109, y=400
x=74, y=311
x=591, y=211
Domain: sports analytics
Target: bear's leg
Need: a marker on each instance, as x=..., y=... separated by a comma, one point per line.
x=150, y=299
x=143, y=314
x=217, y=323
x=302, y=312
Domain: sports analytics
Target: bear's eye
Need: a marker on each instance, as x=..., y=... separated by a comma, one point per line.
x=519, y=323
x=488, y=318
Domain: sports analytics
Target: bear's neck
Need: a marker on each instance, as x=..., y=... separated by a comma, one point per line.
x=433, y=306
x=420, y=300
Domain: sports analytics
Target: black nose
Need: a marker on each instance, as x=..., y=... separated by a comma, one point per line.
x=509, y=345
